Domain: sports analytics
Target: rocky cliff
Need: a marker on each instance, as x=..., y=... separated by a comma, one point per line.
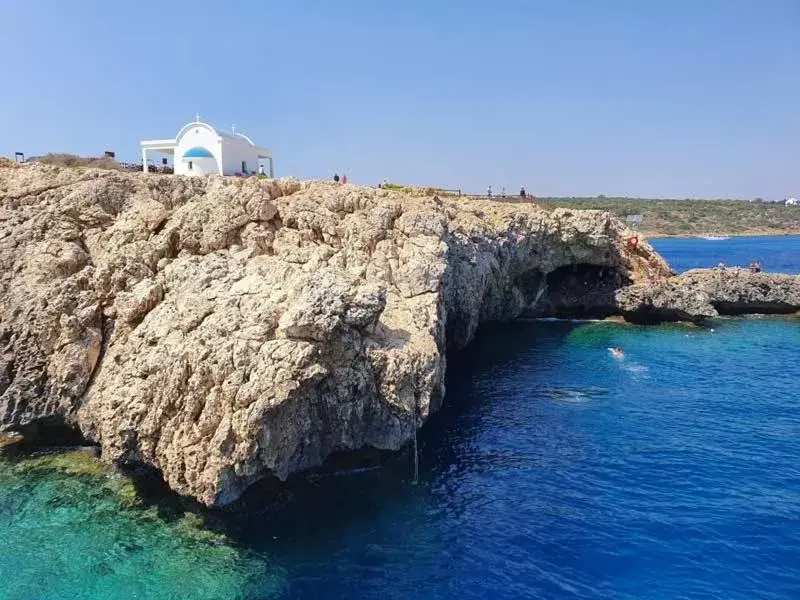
x=223, y=330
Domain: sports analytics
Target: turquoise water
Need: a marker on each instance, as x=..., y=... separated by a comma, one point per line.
x=65, y=537
x=555, y=471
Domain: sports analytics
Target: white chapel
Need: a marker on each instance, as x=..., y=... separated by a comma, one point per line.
x=201, y=149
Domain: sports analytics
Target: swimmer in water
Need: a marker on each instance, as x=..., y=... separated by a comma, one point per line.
x=617, y=352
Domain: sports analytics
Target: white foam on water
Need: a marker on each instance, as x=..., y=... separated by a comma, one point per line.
x=567, y=395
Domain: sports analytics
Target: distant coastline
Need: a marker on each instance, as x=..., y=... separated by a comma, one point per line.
x=753, y=233
x=693, y=218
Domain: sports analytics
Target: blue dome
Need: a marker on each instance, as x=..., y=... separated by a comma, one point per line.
x=197, y=152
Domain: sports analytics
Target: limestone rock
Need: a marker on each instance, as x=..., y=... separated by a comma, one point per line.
x=223, y=330
x=668, y=300
x=739, y=291
x=703, y=293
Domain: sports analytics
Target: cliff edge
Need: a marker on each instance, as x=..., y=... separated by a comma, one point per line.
x=223, y=330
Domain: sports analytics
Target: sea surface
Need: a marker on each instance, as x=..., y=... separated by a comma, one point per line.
x=555, y=471
x=779, y=254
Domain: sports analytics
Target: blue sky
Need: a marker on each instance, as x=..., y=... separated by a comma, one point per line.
x=677, y=98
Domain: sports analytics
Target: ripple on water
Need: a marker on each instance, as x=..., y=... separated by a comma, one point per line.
x=572, y=395
x=559, y=472
x=555, y=471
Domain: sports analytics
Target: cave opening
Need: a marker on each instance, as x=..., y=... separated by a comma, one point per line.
x=579, y=291
x=51, y=431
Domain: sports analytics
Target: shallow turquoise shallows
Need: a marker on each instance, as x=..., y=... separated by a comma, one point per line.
x=555, y=471
x=66, y=537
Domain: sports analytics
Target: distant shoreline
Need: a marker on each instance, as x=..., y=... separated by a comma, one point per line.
x=687, y=218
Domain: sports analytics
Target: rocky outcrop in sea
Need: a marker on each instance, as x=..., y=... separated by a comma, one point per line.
x=224, y=330
x=705, y=293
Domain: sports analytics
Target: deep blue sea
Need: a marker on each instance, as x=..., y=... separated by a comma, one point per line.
x=779, y=254
x=555, y=471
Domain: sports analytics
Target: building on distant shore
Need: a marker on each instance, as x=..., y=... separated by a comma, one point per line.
x=635, y=220
x=201, y=149
x=792, y=202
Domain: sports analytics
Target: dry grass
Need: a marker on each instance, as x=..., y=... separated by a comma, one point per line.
x=72, y=160
x=419, y=191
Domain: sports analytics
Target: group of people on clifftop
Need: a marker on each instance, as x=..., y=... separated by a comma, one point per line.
x=522, y=192
x=489, y=193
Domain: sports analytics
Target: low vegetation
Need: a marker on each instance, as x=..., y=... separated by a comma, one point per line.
x=421, y=191
x=73, y=160
x=693, y=217
x=667, y=217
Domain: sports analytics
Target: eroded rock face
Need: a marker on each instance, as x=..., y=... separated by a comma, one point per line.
x=665, y=300
x=222, y=330
x=703, y=293
x=739, y=291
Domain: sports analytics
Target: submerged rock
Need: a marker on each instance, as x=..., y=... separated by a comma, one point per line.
x=73, y=527
x=224, y=330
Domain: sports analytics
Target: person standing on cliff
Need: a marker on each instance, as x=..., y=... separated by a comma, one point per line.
x=335, y=178
x=344, y=179
x=489, y=191
x=502, y=191
x=522, y=191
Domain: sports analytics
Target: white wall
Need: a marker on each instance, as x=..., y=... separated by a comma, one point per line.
x=236, y=151
x=228, y=152
x=200, y=166
x=205, y=137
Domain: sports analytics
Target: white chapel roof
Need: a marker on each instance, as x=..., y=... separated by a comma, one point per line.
x=169, y=145
x=220, y=132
